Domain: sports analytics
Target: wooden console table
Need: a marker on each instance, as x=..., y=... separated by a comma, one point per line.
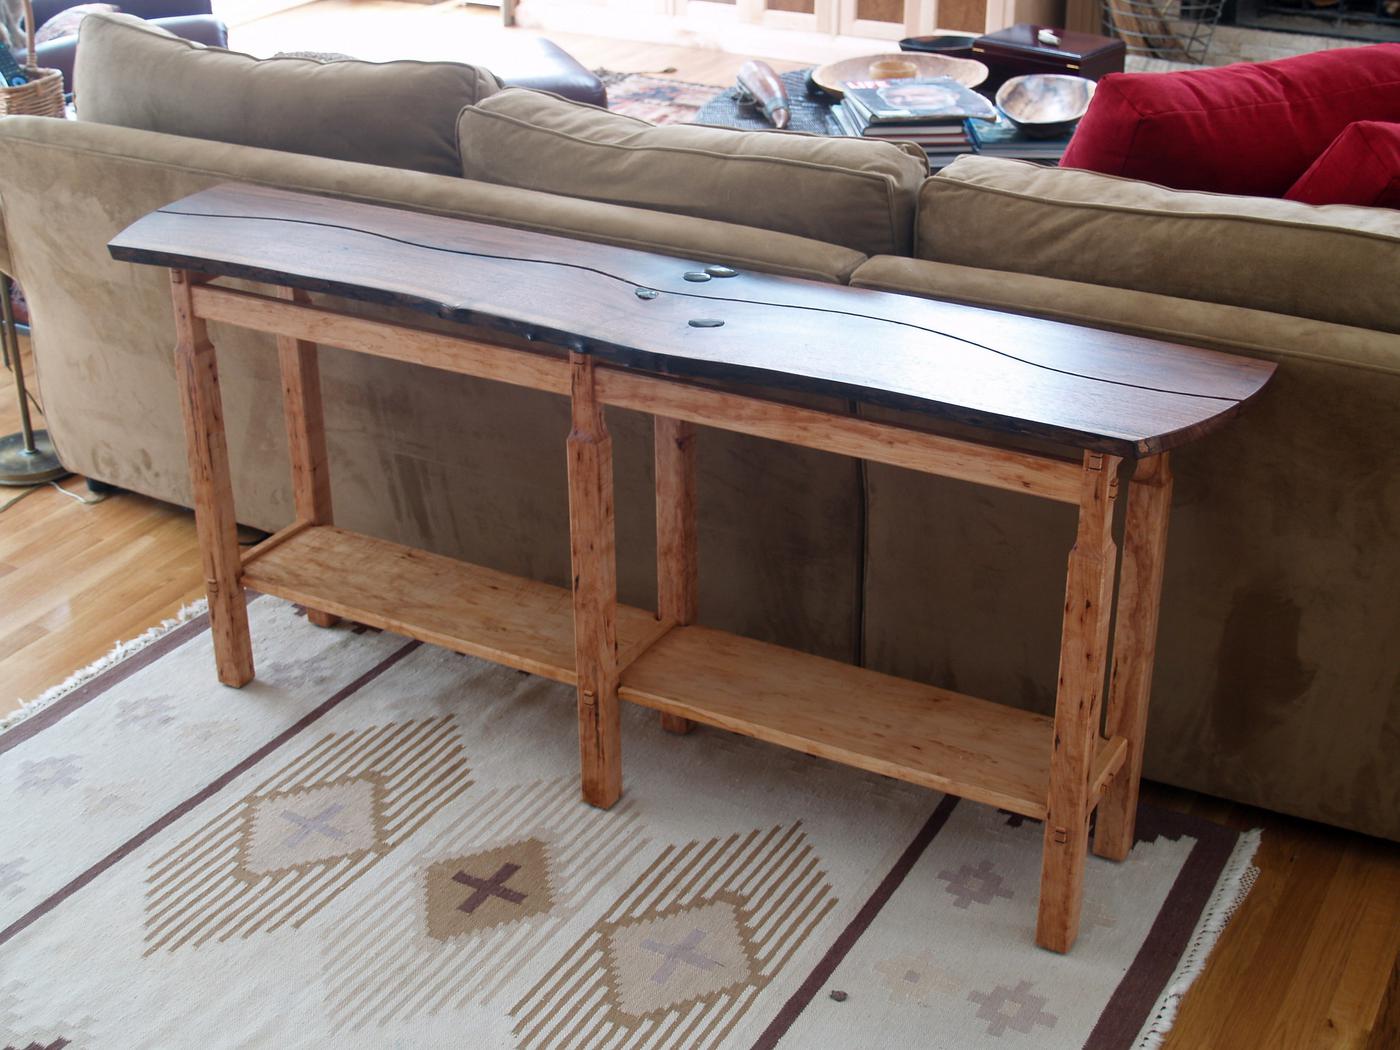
x=637, y=330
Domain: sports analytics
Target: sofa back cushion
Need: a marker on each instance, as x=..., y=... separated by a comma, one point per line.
x=844, y=191
x=395, y=114
x=1334, y=264
x=1245, y=128
x=1362, y=166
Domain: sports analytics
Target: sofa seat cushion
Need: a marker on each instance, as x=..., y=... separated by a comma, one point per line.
x=850, y=192
x=1248, y=128
x=1334, y=264
x=395, y=114
x=1362, y=166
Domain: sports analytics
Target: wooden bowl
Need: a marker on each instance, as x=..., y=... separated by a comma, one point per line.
x=965, y=71
x=1045, y=105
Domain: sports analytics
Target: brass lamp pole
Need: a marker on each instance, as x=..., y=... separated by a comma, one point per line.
x=26, y=458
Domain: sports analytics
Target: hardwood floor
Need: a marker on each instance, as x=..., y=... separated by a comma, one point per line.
x=76, y=578
x=1308, y=962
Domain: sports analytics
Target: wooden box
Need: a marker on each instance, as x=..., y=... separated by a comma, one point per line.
x=1019, y=50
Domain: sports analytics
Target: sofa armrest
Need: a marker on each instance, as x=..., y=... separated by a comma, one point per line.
x=202, y=29
x=1333, y=263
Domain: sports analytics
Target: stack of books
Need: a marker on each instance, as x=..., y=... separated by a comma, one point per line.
x=1005, y=139
x=933, y=114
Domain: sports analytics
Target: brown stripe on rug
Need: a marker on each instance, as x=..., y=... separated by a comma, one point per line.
x=856, y=928
x=204, y=794
x=1127, y=1011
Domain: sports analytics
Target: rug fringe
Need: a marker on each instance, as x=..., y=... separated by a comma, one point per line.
x=1234, y=882
x=28, y=709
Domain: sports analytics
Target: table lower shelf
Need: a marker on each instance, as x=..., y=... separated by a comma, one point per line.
x=507, y=619
x=971, y=748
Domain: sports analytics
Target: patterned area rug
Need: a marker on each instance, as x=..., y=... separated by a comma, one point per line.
x=380, y=844
x=659, y=99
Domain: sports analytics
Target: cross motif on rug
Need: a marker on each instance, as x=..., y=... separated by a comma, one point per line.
x=320, y=824
x=675, y=954
x=485, y=889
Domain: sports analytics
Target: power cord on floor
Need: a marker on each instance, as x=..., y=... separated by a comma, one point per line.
x=84, y=500
x=11, y=502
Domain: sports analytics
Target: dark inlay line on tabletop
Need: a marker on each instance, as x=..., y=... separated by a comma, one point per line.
x=708, y=298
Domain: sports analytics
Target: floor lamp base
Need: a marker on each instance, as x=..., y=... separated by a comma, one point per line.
x=19, y=466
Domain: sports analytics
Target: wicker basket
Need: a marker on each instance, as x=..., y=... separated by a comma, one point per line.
x=43, y=95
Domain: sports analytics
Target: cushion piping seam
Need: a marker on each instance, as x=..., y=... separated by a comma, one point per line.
x=1156, y=213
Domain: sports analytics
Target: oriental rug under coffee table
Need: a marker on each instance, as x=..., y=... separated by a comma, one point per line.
x=378, y=843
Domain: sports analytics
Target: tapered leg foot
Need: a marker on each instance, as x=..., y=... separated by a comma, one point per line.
x=197, y=376
x=1061, y=885
x=1134, y=648
x=600, y=731
x=592, y=541
x=1083, y=649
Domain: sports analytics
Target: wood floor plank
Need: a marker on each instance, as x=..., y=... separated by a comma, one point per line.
x=1350, y=952
x=1255, y=962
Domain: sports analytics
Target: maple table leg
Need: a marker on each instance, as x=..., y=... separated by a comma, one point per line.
x=677, y=571
x=1135, y=647
x=306, y=433
x=1083, y=646
x=593, y=546
x=197, y=375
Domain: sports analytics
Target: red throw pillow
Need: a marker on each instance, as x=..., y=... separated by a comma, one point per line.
x=1362, y=166
x=1249, y=128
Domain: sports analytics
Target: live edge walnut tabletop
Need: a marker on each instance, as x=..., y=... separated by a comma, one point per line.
x=611, y=326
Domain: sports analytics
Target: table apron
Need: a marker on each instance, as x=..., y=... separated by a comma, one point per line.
x=1048, y=477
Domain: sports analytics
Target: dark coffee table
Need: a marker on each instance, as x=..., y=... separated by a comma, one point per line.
x=811, y=111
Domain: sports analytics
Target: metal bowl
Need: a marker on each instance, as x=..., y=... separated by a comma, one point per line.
x=1045, y=105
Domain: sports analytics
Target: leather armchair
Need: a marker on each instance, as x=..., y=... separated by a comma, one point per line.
x=191, y=19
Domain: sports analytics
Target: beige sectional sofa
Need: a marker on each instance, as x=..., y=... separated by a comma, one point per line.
x=1278, y=677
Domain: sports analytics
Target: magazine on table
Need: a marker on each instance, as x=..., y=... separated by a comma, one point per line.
x=930, y=101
